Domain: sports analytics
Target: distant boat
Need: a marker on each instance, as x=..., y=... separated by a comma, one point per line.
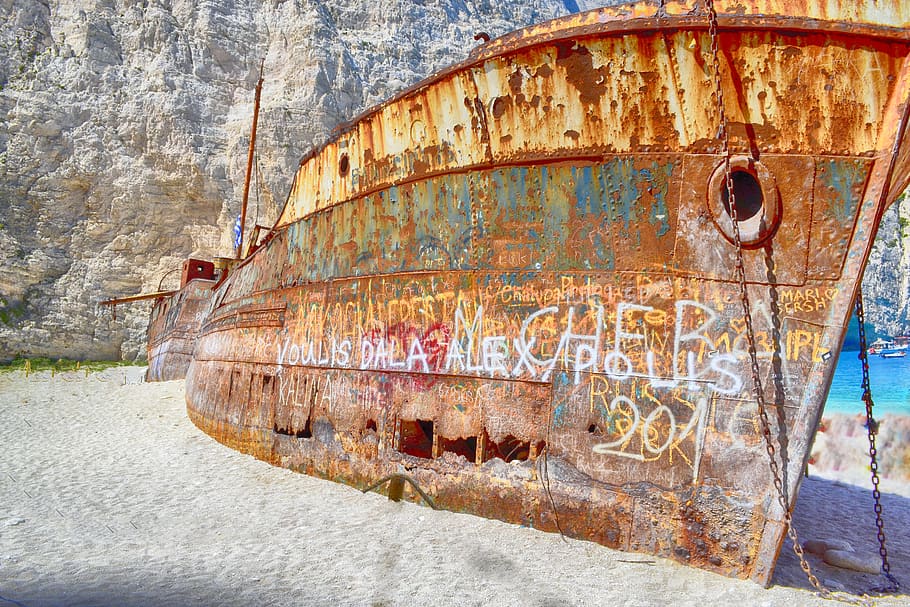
x=878, y=345
x=893, y=353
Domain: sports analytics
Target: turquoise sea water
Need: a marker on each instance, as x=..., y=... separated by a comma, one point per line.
x=889, y=377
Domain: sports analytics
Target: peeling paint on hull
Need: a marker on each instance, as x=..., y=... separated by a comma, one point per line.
x=515, y=283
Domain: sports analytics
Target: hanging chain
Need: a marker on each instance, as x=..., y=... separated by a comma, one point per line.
x=758, y=391
x=891, y=584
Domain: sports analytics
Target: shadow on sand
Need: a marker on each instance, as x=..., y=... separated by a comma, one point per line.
x=827, y=509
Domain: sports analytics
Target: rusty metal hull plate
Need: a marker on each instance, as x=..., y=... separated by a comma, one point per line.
x=516, y=281
x=174, y=328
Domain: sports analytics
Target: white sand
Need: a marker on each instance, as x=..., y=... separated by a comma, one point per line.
x=110, y=496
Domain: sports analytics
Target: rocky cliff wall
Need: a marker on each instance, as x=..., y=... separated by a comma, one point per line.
x=125, y=130
x=886, y=284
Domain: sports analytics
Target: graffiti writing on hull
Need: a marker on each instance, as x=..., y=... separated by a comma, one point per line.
x=580, y=339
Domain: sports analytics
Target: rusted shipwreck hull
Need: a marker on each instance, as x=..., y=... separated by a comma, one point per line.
x=516, y=282
x=175, y=321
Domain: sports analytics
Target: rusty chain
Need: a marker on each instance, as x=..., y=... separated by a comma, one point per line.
x=891, y=583
x=757, y=389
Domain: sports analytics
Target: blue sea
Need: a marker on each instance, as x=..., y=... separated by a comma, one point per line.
x=889, y=377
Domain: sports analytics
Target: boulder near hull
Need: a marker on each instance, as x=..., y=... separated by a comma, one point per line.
x=516, y=283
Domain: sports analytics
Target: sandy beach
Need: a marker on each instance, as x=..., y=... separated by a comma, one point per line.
x=109, y=496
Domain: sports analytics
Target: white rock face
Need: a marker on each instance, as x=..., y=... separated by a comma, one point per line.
x=126, y=127
x=886, y=285
x=125, y=132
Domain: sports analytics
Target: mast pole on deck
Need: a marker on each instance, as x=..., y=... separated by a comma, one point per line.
x=249, y=162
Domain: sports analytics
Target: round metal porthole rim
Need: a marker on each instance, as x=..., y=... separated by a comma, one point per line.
x=753, y=232
x=344, y=165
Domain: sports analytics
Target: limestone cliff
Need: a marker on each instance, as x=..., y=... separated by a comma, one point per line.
x=125, y=130
x=886, y=284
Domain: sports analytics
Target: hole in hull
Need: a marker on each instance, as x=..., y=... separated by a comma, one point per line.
x=512, y=449
x=461, y=446
x=305, y=432
x=747, y=195
x=416, y=438
x=757, y=201
x=344, y=165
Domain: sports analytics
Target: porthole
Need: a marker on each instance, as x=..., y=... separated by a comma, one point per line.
x=756, y=201
x=344, y=165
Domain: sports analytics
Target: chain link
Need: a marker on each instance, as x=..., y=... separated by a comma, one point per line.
x=758, y=391
x=891, y=584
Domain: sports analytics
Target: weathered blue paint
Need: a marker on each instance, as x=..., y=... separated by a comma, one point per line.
x=658, y=180
x=840, y=178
